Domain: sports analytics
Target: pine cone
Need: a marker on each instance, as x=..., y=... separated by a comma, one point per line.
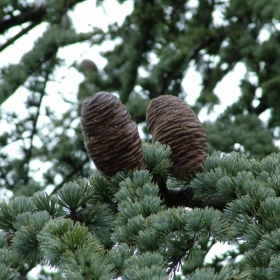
x=171, y=121
x=111, y=137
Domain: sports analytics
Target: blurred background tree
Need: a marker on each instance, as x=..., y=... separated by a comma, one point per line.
x=153, y=49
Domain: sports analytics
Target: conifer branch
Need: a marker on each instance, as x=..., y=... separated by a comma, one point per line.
x=178, y=262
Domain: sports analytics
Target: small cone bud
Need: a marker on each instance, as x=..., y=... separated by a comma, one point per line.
x=171, y=121
x=88, y=65
x=111, y=137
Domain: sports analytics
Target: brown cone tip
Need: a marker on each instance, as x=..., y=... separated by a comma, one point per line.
x=111, y=137
x=171, y=121
x=88, y=65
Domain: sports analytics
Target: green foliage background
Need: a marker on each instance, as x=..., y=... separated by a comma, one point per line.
x=235, y=198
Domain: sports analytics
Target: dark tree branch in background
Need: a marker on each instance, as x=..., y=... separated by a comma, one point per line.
x=21, y=33
x=30, y=14
x=182, y=196
x=263, y=105
x=70, y=175
x=185, y=197
x=28, y=152
x=34, y=14
x=186, y=59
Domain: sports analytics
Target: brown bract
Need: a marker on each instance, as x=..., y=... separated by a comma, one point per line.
x=171, y=121
x=111, y=137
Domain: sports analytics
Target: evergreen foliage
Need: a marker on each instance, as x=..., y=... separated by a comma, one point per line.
x=141, y=238
x=142, y=223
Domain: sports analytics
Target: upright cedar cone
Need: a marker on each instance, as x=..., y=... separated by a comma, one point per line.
x=111, y=137
x=171, y=121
